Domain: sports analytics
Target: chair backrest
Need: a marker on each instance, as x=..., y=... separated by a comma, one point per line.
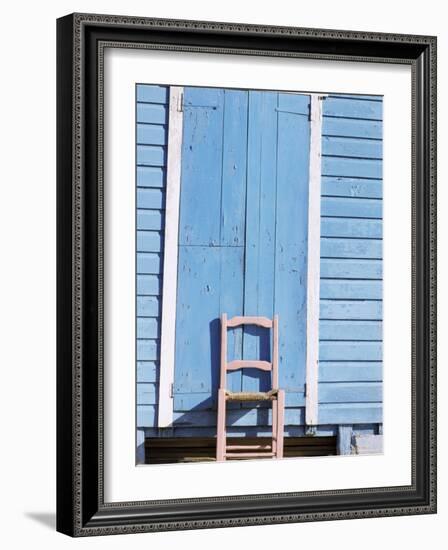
x=248, y=363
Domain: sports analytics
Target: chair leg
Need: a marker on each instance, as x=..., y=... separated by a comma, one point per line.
x=280, y=422
x=221, y=424
x=274, y=425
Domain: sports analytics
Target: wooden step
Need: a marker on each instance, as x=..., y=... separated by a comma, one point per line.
x=248, y=447
x=249, y=455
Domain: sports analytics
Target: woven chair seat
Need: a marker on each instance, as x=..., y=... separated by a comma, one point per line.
x=251, y=396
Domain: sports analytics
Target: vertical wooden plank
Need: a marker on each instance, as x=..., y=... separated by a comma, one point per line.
x=344, y=439
x=313, y=276
x=260, y=230
x=233, y=216
x=201, y=167
x=167, y=348
x=292, y=245
x=234, y=160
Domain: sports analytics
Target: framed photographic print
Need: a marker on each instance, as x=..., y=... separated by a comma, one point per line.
x=246, y=274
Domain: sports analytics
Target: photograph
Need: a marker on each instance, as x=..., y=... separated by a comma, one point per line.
x=258, y=253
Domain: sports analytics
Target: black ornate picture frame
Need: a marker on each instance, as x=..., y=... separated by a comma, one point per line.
x=81, y=509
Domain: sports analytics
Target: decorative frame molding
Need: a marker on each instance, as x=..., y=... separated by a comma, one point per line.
x=81, y=39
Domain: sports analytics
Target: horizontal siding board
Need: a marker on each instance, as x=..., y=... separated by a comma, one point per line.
x=147, y=371
x=352, y=187
x=351, y=167
x=349, y=207
x=360, y=97
x=350, y=330
x=153, y=113
x=350, y=351
x=151, y=155
x=350, y=371
x=148, y=350
x=150, y=176
x=351, y=290
x=151, y=134
x=351, y=248
x=146, y=393
x=351, y=227
x=146, y=416
x=350, y=268
x=148, y=306
x=148, y=262
x=149, y=241
x=148, y=327
x=152, y=94
x=151, y=198
x=149, y=285
x=350, y=392
x=350, y=413
x=351, y=309
x=352, y=147
x=150, y=219
x=351, y=127
x=353, y=108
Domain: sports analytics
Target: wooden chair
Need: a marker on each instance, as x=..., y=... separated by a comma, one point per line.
x=275, y=395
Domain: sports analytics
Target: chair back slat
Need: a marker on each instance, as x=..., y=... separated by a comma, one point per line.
x=248, y=364
x=257, y=321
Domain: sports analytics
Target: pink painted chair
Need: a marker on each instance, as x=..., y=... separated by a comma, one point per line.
x=275, y=395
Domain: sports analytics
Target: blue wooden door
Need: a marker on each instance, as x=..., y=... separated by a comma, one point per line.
x=242, y=240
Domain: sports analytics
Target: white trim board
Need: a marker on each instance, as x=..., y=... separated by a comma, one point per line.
x=169, y=286
x=313, y=277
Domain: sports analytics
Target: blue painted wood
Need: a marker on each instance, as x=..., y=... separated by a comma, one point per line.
x=241, y=417
x=200, y=401
x=150, y=176
x=151, y=198
x=353, y=108
x=149, y=263
x=352, y=187
x=260, y=231
x=146, y=416
x=148, y=327
x=335, y=268
x=351, y=290
x=294, y=104
x=351, y=248
x=351, y=227
x=149, y=285
x=146, y=393
x=350, y=351
x=344, y=440
x=292, y=245
x=152, y=94
x=150, y=219
x=350, y=356
x=147, y=350
x=147, y=371
x=151, y=155
x=148, y=306
x=351, y=167
x=152, y=105
x=351, y=309
x=152, y=113
x=151, y=134
x=343, y=413
x=350, y=371
x=201, y=176
x=350, y=330
x=350, y=392
x=149, y=241
x=348, y=207
x=351, y=127
x=352, y=147
x=234, y=168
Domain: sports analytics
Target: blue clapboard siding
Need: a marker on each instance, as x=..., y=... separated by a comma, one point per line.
x=152, y=133
x=351, y=290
